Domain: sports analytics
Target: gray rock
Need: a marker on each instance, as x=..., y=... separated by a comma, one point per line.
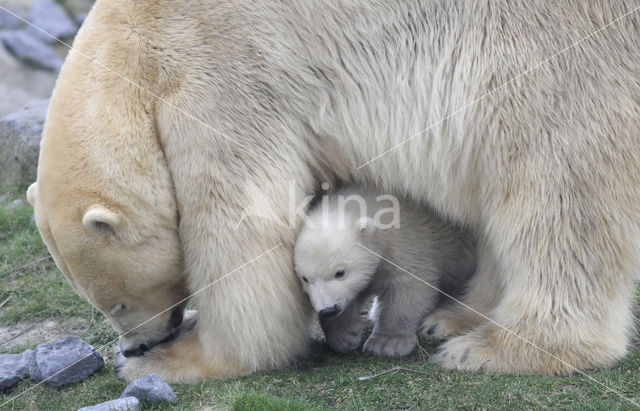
x=127, y=403
x=17, y=204
x=8, y=20
x=50, y=17
x=31, y=50
x=78, y=7
x=21, y=83
x=13, y=368
x=151, y=388
x=79, y=19
x=20, y=135
x=63, y=361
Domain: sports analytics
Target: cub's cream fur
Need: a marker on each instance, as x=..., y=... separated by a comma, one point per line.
x=167, y=113
x=350, y=248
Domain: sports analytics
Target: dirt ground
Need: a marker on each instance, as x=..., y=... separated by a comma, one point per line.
x=34, y=333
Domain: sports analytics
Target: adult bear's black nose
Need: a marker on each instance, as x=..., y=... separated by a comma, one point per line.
x=176, y=317
x=136, y=352
x=329, y=312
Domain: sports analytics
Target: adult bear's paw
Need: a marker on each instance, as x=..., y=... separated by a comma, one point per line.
x=390, y=345
x=448, y=321
x=437, y=327
x=466, y=352
x=181, y=361
x=493, y=349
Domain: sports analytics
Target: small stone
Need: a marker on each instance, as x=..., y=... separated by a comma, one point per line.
x=13, y=368
x=126, y=403
x=63, y=361
x=51, y=18
x=151, y=388
x=30, y=49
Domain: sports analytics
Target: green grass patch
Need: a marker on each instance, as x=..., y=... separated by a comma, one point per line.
x=323, y=381
x=330, y=381
x=39, y=292
x=262, y=402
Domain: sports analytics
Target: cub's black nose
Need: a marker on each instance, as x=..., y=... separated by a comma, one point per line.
x=329, y=312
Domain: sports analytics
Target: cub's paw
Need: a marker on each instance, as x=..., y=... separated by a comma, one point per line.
x=344, y=341
x=390, y=345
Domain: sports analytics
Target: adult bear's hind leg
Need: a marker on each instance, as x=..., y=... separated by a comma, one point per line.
x=568, y=278
x=482, y=293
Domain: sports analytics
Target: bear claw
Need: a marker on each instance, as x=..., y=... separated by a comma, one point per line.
x=393, y=346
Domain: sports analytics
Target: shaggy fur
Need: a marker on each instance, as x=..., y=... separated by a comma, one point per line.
x=225, y=97
x=350, y=248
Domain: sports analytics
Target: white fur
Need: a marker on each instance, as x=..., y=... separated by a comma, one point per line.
x=244, y=95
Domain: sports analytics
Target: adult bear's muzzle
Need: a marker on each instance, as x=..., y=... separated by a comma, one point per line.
x=134, y=348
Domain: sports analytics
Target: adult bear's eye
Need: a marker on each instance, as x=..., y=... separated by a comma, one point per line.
x=339, y=273
x=305, y=279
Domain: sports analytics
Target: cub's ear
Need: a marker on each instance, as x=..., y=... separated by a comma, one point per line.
x=100, y=220
x=366, y=226
x=31, y=194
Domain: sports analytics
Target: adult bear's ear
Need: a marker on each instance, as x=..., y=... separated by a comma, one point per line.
x=366, y=226
x=100, y=220
x=31, y=194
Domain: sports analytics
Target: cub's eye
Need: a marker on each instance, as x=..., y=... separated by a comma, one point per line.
x=339, y=273
x=305, y=279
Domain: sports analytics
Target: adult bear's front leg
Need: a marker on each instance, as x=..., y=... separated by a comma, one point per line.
x=568, y=289
x=181, y=361
x=238, y=196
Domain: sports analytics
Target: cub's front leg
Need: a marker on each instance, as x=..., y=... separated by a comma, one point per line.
x=344, y=332
x=398, y=313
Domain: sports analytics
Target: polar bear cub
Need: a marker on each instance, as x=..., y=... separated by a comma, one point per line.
x=356, y=243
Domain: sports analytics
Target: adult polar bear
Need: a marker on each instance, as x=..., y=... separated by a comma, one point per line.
x=168, y=114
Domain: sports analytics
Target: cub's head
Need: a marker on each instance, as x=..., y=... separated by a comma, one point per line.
x=331, y=265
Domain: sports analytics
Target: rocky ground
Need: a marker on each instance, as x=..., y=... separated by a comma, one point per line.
x=30, y=59
x=32, y=33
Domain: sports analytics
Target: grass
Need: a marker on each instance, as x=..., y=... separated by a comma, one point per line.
x=322, y=381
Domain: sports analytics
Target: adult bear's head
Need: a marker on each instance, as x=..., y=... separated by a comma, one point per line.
x=104, y=200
